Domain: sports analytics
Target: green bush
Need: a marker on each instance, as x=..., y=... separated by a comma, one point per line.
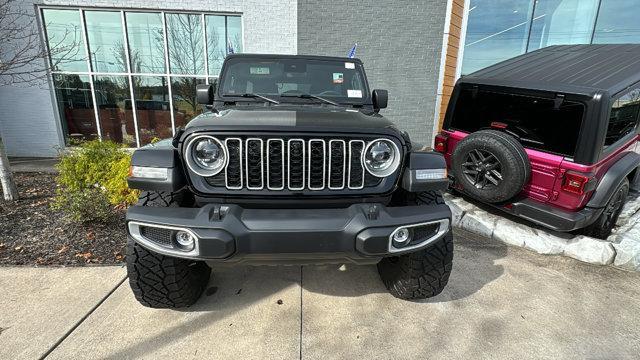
x=92, y=181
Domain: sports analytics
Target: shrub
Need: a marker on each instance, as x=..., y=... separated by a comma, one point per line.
x=92, y=180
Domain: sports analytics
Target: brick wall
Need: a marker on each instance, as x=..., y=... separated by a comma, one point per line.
x=400, y=44
x=28, y=124
x=453, y=42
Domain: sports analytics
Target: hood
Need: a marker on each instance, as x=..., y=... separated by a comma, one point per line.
x=316, y=119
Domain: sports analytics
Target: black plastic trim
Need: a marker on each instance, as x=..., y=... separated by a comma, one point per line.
x=289, y=235
x=614, y=176
x=160, y=158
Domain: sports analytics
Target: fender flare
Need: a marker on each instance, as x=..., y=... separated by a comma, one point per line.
x=613, y=177
x=158, y=157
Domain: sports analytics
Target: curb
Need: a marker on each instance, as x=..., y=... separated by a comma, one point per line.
x=621, y=249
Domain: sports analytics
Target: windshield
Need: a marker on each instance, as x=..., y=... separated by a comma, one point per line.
x=340, y=82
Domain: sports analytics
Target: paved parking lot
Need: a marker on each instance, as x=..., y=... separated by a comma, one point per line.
x=501, y=302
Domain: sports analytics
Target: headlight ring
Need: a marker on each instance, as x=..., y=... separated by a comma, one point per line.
x=381, y=157
x=206, y=155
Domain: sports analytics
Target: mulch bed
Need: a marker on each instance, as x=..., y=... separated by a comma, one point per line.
x=32, y=233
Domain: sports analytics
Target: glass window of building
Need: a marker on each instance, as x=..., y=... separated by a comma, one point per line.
x=186, y=44
x=106, y=41
x=64, y=38
x=75, y=104
x=130, y=76
x=618, y=22
x=496, y=30
x=562, y=22
x=146, y=42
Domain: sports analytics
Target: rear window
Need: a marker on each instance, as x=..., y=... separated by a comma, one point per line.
x=534, y=120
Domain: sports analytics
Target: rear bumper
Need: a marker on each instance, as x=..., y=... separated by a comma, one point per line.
x=229, y=233
x=552, y=217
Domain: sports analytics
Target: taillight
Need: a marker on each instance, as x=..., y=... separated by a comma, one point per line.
x=440, y=143
x=575, y=183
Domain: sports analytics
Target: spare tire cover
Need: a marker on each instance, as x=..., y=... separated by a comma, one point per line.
x=491, y=166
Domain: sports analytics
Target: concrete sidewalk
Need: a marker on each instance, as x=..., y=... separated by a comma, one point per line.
x=500, y=303
x=22, y=164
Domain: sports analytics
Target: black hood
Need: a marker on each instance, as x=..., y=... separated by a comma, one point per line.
x=293, y=119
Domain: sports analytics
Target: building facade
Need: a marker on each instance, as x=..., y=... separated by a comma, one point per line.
x=127, y=70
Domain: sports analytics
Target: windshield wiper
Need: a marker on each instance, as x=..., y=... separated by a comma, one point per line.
x=310, y=96
x=256, y=96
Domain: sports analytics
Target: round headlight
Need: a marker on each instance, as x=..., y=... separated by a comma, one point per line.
x=381, y=157
x=206, y=155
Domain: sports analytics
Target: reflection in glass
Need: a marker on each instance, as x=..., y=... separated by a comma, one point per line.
x=146, y=42
x=116, y=121
x=624, y=117
x=186, y=46
x=64, y=36
x=618, y=22
x=185, y=104
x=234, y=33
x=73, y=94
x=558, y=22
x=216, y=43
x=106, y=44
x=496, y=30
x=152, y=108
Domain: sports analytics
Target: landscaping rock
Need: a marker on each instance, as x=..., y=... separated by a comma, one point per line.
x=590, y=250
x=512, y=233
x=479, y=222
x=628, y=253
x=630, y=208
x=545, y=243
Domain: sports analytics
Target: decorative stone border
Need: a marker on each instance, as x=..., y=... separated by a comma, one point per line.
x=621, y=249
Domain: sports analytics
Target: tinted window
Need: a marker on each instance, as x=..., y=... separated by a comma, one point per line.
x=617, y=22
x=536, y=121
x=106, y=41
x=624, y=117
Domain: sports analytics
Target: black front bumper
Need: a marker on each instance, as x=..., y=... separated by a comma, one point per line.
x=229, y=233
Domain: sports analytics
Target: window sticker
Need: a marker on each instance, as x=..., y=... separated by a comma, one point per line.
x=354, y=93
x=338, y=78
x=259, y=70
x=349, y=65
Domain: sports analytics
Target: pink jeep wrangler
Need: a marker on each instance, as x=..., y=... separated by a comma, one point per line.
x=551, y=136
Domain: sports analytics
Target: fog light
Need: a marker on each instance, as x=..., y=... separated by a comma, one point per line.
x=401, y=237
x=185, y=240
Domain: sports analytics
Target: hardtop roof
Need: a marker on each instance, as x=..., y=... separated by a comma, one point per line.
x=580, y=69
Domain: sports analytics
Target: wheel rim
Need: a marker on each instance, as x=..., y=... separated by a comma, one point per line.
x=612, y=209
x=482, y=169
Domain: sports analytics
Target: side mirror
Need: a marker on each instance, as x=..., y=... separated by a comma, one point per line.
x=380, y=99
x=204, y=93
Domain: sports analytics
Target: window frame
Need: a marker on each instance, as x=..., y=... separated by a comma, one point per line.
x=91, y=73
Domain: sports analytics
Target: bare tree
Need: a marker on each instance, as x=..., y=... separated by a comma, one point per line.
x=23, y=60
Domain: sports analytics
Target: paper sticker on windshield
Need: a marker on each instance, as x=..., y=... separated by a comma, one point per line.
x=338, y=78
x=349, y=65
x=354, y=93
x=259, y=70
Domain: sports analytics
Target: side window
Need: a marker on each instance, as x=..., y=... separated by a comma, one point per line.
x=624, y=116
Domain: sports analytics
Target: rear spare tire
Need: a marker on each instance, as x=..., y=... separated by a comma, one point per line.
x=491, y=166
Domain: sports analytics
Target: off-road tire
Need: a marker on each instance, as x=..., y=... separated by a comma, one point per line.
x=515, y=166
x=424, y=273
x=160, y=281
x=601, y=228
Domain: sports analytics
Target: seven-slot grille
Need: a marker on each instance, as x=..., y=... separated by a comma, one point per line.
x=295, y=164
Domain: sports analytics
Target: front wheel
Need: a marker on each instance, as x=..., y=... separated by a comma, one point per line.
x=160, y=281
x=424, y=273
x=419, y=275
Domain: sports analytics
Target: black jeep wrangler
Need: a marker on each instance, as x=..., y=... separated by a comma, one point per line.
x=291, y=165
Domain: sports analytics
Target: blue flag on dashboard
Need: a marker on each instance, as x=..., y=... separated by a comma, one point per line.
x=230, y=50
x=352, y=52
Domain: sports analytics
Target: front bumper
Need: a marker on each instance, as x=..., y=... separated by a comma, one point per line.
x=360, y=233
